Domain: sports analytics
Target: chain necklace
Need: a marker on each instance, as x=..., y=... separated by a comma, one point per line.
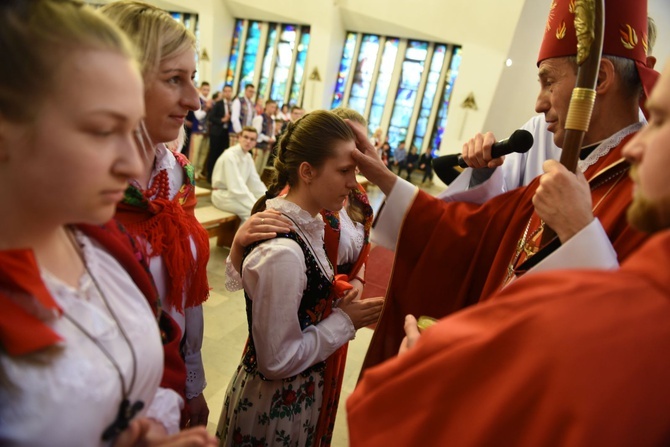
x=523, y=244
x=127, y=410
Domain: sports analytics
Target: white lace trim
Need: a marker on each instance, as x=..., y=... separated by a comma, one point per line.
x=311, y=228
x=233, y=280
x=351, y=231
x=606, y=146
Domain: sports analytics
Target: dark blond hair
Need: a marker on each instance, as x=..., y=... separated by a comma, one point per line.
x=155, y=33
x=36, y=37
x=311, y=139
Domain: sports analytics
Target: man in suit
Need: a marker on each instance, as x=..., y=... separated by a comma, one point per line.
x=219, y=129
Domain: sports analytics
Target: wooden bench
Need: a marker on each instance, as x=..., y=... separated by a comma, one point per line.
x=202, y=192
x=218, y=223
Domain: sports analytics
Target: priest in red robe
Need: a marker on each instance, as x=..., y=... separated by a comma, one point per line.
x=570, y=358
x=453, y=255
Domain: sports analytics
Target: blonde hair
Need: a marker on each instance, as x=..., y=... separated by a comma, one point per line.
x=155, y=33
x=36, y=37
x=351, y=115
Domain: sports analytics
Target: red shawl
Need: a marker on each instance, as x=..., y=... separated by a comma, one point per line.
x=167, y=228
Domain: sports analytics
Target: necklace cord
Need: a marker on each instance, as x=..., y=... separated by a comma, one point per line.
x=126, y=410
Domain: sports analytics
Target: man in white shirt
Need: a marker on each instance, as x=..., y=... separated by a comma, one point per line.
x=235, y=182
x=243, y=109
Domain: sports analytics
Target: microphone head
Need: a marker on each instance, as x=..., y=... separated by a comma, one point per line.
x=445, y=167
x=521, y=140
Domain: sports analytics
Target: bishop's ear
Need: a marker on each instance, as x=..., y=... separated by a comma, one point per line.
x=606, y=75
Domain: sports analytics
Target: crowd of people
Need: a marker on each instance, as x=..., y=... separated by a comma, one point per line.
x=533, y=340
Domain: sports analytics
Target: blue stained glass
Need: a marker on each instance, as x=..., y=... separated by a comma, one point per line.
x=250, y=55
x=299, y=70
x=376, y=113
x=367, y=58
x=358, y=104
x=418, y=141
x=410, y=78
x=441, y=121
x=429, y=93
x=383, y=82
x=285, y=50
x=267, y=60
x=396, y=135
x=234, y=52
x=345, y=65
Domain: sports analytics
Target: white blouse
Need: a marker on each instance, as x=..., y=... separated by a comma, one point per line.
x=352, y=236
x=70, y=395
x=273, y=275
x=191, y=320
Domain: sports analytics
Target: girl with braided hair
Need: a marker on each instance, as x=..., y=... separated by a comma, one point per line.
x=298, y=312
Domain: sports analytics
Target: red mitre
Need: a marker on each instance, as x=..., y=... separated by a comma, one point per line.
x=625, y=34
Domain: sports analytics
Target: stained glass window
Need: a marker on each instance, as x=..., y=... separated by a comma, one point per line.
x=410, y=78
x=267, y=60
x=283, y=64
x=383, y=83
x=429, y=92
x=365, y=67
x=441, y=121
x=345, y=66
x=250, y=54
x=234, y=52
x=299, y=69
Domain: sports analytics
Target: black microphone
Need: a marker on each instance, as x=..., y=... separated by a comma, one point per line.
x=445, y=166
x=520, y=141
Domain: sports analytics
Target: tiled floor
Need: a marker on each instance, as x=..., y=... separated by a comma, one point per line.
x=226, y=333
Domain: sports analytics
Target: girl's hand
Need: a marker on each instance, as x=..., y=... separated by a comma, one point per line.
x=143, y=432
x=259, y=227
x=361, y=312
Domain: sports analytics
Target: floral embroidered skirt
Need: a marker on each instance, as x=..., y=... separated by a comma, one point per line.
x=260, y=412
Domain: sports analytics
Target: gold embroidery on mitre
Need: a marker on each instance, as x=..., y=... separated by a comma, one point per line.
x=628, y=36
x=552, y=7
x=645, y=45
x=585, y=18
x=571, y=6
x=560, y=31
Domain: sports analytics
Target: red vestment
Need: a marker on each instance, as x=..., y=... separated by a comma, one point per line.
x=452, y=255
x=561, y=358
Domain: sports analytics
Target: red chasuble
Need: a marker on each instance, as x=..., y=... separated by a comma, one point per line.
x=452, y=255
x=573, y=358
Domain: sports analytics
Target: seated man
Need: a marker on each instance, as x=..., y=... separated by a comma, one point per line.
x=235, y=182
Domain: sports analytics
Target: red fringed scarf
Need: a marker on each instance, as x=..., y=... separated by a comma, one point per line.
x=167, y=227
